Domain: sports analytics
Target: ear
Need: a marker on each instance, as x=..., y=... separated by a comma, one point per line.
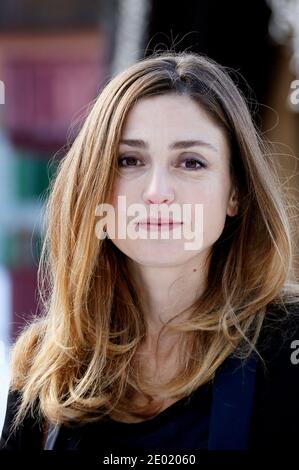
x=233, y=203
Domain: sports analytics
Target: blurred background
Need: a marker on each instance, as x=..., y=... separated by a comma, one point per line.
x=55, y=57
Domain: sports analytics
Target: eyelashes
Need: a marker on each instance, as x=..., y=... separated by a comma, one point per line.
x=131, y=162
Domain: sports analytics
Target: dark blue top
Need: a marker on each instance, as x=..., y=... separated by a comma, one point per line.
x=184, y=425
x=216, y=416
x=243, y=413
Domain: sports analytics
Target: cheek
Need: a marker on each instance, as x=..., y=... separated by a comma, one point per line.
x=125, y=188
x=214, y=200
x=125, y=194
x=214, y=216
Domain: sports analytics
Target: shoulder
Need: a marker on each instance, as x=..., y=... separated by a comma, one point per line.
x=279, y=331
x=276, y=404
x=27, y=436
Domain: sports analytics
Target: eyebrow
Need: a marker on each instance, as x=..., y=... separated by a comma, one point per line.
x=180, y=144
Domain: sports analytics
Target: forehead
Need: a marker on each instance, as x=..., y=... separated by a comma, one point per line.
x=169, y=115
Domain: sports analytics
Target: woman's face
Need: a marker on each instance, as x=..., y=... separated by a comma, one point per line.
x=155, y=170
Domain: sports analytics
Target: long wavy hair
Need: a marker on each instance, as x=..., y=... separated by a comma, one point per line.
x=74, y=362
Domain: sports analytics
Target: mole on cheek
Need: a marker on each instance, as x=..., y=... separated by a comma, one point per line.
x=194, y=270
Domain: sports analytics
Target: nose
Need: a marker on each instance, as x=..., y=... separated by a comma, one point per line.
x=158, y=189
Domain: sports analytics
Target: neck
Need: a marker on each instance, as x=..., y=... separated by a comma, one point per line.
x=166, y=291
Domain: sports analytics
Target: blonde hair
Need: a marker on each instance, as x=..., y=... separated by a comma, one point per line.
x=76, y=360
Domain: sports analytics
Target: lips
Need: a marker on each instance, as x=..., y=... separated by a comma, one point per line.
x=159, y=225
x=159, y=222
x=150, y=225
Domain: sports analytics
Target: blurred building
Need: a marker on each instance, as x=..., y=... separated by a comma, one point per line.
x=53, y=59
x=56, y=55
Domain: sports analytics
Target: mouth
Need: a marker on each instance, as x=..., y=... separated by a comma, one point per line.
x=159, y=225
x=159, y=221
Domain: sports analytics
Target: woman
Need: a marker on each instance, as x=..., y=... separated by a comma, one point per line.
x=145, y=343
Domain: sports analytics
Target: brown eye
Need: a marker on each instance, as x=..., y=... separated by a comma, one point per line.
x=129, y=161
x=193, y=164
